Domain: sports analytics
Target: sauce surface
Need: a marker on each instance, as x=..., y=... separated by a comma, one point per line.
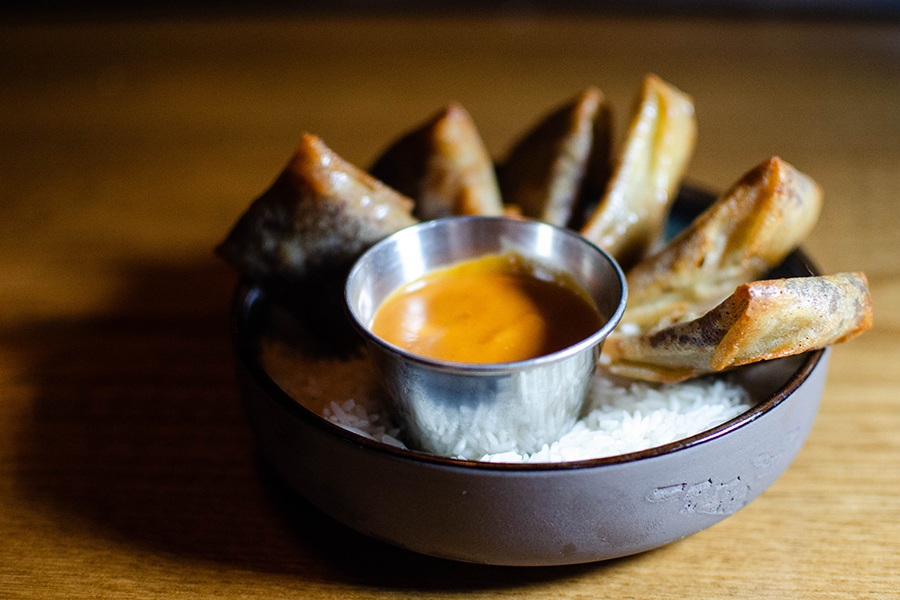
x=497, y=308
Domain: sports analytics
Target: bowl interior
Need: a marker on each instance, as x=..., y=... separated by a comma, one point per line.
x=308, y=369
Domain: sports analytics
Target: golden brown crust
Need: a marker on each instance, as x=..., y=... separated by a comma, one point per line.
x=749, y=230
x=761, y=320
x=546, y=169
x=444, y=166
x=321, y=213
x=317, y=217
x=784, y=317
x=648, y=172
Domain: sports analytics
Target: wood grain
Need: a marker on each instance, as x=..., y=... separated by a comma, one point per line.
x=128, y=148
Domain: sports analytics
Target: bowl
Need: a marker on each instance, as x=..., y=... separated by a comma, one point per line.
x=470, y=409
x=522, y=514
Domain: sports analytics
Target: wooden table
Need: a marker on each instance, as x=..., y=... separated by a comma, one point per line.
x=128, y=148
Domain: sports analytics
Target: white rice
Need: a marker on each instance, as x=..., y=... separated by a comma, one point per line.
x=354, y=417
x=621, y=417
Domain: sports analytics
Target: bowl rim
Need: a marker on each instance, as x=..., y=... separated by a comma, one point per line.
x=249, y=296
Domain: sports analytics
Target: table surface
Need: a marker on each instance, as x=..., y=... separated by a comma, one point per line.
x=128, y=147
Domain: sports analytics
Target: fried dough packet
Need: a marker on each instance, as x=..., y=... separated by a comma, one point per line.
x=747, y=231
x=317, y=217
x=444, y=166
x=658, y=146
x=761, y=320
x=545, y=170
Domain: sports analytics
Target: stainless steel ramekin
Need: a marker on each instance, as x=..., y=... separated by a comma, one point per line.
x=471, y=409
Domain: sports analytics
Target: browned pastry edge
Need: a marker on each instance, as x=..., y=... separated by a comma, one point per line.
x=761, y=320
x=317, y=217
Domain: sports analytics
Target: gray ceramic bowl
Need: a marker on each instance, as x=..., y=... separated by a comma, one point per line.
x=530, y=514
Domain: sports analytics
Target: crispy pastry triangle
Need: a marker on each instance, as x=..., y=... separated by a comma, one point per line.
x=658, y=146
x=443, y=165
x=761, y=320
x=318, y=216
x=545, y=170
x=750, y=229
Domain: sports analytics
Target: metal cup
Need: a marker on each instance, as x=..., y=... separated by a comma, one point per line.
x=468, y=410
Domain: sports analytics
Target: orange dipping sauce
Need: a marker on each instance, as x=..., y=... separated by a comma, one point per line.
x=493, y=309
